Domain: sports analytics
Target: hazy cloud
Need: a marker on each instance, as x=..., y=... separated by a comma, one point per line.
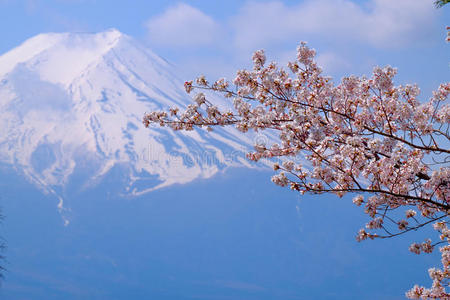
x=341, y=30
x=182, y=25
x=380, y=23
x=332, y=62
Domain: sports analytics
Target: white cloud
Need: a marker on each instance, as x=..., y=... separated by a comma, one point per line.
x=332, y=62
x=346, y=33
x=380, y=23
x=182, y=25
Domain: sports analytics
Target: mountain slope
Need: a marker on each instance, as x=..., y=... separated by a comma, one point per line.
x=71, y=107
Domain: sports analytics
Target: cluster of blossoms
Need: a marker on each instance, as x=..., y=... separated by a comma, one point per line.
x=440, y=277
x=364, y=136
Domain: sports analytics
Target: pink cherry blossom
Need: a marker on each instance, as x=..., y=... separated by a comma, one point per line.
x=367, y=136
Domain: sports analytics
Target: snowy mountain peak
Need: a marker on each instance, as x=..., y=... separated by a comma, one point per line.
x=71, y=106
x=60, y=57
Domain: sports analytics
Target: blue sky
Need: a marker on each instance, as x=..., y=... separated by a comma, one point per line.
x=216, y=37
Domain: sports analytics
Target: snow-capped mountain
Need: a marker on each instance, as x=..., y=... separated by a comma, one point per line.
x=71, y=106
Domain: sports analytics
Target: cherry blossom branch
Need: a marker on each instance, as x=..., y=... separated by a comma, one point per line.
x=364, y=136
